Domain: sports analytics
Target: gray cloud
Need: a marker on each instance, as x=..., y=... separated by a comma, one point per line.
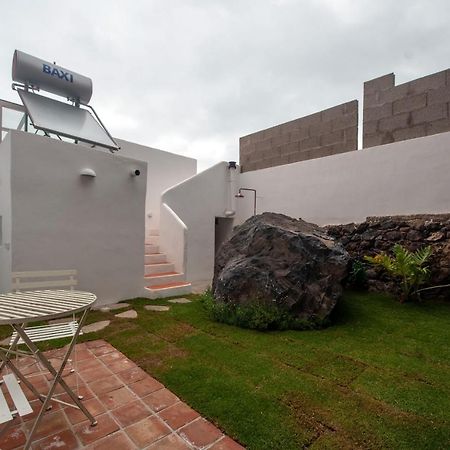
x=193, y=76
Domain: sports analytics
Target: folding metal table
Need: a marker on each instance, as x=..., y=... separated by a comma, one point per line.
x=20, y=308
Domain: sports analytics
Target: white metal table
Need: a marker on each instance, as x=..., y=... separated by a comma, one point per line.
x=19, y=308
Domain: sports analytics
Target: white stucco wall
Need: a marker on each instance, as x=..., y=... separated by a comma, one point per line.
x=64, y=221
x=408, y=177
x=197, y=201
x=164, y=170
x=5, y=215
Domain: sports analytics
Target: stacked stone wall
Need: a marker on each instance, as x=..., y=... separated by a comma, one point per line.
x=379, y=234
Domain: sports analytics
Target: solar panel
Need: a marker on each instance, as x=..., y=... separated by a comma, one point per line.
x=65, y=120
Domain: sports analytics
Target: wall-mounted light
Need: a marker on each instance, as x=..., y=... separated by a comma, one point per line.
x=135, y=173
x=88, y=172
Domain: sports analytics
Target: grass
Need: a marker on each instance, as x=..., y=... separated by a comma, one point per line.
x=377, y=378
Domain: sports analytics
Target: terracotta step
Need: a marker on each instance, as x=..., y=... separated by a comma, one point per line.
x=163, y=278
x=168, y=285
x=162, y=274
x=158, y=268
x=150, y=249
x=155, y=258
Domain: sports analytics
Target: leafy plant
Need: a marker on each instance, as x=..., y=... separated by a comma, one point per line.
x=357, y=277
x=256, y=315
x=408, y=267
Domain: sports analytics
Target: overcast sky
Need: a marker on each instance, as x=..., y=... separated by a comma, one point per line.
x=192, y=76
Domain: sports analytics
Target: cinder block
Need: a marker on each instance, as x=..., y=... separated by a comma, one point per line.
x=351, y=135
x=394, y=122
x=433, y=81
x=281, y=139
x=430, y=113
x=309, y=120
x=393, y=94
x=351, y=107
x=410, y=103
x=244, y=141
x=320, y=128
x=377, y=112
x=441, y=95
x=299, y=134
x=438, y=126
x=371, y=140
x=410, y=133
x=333, y=113
x=379, y=84
x=332, y=138
x=309, y=143
x=346, y=121
x=371, y=99
x=370, y=127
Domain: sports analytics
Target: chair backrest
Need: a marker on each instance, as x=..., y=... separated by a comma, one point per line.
x=44, y=279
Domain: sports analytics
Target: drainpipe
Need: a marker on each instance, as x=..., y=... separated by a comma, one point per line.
x=231, y=201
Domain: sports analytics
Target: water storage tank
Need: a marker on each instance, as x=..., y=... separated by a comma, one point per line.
x=28, y=69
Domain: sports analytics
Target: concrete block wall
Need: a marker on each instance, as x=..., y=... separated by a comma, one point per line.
x=410, y=110
x=328, y=132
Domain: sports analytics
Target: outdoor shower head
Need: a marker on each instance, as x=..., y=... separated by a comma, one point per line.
x=239, y=195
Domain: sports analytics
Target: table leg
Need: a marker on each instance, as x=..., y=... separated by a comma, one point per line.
x=56, y=374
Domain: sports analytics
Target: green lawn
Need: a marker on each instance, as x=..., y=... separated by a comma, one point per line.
x=378, y=378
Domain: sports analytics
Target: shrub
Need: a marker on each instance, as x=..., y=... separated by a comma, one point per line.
x=256, y=315
x=357, y=277
x=408, y=267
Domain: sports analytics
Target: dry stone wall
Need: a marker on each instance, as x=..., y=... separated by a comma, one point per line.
x=328, y=132
x=378, y=234
x=410, y=110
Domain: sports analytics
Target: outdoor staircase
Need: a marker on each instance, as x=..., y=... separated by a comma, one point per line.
x=161, y=279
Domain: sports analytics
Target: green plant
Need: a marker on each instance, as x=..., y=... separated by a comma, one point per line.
x=357, y=277
x=256, y=315
x=408, y=267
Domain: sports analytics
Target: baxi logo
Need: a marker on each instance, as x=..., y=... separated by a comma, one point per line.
x=54, y=72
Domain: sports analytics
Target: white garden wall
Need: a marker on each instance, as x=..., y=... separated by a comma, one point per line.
x=197, y=201
x=5, y=215
x=408, y=177
x=164, y=170
x=62, y=220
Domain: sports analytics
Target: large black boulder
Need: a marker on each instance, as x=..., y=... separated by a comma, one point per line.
x=276, y=260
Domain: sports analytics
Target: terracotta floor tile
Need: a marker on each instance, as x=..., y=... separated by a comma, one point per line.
x=36, y=406
x=106, y=384
x=96, y=343
x=112, y=357
x=115, y=441
x=95, y=374
x=64, y=440
x=200, y=433
x=227, y=444
x=103, y=350
x=13, y=438
x=82, y=390
x=93, y=405
x=131, y=413
x=178, y=415
x=132, y=375
x=147, y=431
x=51, y=423
x=146, y=386
x=121, y=365
x=119, y=397
x=91, y=363
x=88, y=434
x=171, y=442
x=161, y=399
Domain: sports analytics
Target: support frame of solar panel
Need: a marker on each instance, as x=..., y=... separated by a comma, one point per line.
x=65, y=120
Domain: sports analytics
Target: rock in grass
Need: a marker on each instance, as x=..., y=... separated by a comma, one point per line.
x=96, y=326
x=130, y=314
x=277, y=262
x=157, y=308
x=179, y=300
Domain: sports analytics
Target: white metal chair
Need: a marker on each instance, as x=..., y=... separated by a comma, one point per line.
x=32, y=280
x=22, y=405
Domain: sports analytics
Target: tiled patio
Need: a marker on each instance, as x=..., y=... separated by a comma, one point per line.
x=133, y=410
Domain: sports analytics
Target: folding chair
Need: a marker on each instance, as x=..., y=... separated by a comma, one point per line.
x=19, y=399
